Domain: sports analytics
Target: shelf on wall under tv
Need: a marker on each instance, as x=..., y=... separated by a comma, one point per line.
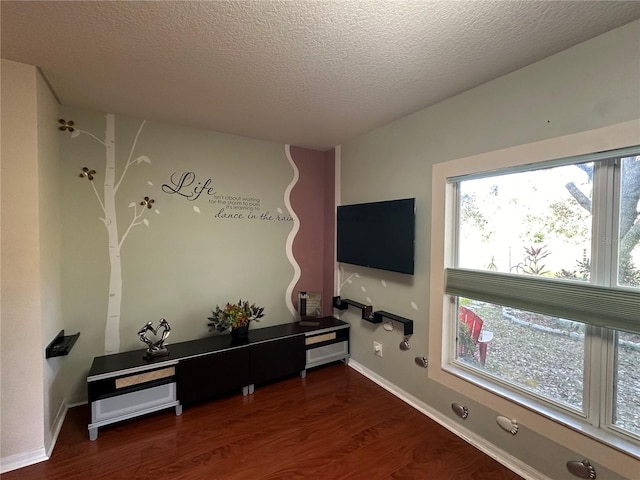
x=373, y=317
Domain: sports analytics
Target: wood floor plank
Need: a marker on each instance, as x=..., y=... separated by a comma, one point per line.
x=334, y=424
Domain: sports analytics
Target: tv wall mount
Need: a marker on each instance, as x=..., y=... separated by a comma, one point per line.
x=374, y=317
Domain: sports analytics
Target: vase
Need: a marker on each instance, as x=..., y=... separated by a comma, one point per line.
x=240, y=333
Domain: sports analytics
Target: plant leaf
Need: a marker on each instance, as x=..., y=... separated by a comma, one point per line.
x=196, y=209
x=142, y=158
x=146, y=222
x=132, y=204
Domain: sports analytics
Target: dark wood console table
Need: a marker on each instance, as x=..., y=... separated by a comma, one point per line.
x=126, y=385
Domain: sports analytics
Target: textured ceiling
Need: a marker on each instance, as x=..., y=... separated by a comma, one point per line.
x=304, y=72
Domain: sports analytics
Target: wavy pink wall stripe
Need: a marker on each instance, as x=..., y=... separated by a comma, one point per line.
x=292, y=234
x=312, y=203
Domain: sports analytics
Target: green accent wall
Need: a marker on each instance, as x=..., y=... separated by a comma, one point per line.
x=592, y=85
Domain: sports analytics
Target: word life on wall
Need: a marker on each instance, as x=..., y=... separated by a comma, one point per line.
x=229, y=207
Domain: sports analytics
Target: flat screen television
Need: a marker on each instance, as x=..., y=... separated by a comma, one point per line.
x=377, y=235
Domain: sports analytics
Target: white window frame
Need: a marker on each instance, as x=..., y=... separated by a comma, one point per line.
x=600, y=446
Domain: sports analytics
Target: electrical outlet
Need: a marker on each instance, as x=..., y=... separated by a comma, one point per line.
x=377, y=349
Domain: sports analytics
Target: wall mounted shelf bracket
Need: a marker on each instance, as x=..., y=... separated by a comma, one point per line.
x=343, y=304
x=373, y=317
x=61, y=345
x=406, y=323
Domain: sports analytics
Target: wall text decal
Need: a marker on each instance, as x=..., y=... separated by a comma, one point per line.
x=230, y=207
x=251, y=204
x=182, y=186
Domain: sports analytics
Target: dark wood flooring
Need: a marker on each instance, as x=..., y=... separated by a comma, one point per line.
x=335, y=424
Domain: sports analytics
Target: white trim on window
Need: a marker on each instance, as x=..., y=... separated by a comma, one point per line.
x=610, y=451
x=590, y=157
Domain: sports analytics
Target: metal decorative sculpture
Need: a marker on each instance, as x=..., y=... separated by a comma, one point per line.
x=582, y=469
x=461, y=410
x=86, y=173
x=507, y=424
x=147, y=202
x=422, y=361
x=405, y=344
x=157, y=348
x=66, y=125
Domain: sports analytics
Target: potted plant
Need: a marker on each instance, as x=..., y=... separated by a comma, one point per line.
x=235, y=316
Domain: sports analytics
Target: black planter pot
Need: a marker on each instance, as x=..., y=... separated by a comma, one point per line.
x=240, y=332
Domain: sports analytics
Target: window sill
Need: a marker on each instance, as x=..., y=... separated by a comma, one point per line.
x=626, y=446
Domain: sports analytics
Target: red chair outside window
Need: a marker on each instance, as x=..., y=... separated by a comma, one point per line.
x=480, y=337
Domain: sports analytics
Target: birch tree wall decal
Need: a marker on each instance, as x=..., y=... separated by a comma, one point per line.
x=108, y=205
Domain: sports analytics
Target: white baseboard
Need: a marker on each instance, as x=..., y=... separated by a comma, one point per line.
x=57, y=426
x=512, y=463
x=24, y=459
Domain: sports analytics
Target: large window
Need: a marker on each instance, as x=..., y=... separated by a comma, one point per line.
x=545, y=277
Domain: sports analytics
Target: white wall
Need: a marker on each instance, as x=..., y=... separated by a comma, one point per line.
x=592, y=85
x=33, y=400
x=50, y=252
x=21, y=352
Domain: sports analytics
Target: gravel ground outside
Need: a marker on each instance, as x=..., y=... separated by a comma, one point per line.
x=546, y=356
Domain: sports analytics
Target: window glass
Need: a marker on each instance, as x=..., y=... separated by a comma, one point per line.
x=541, y=354
x=544, y=224
x=629, y=223
x=534, y=223
x=626, y=406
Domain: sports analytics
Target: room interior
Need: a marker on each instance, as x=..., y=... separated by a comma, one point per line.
x=223, y=135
